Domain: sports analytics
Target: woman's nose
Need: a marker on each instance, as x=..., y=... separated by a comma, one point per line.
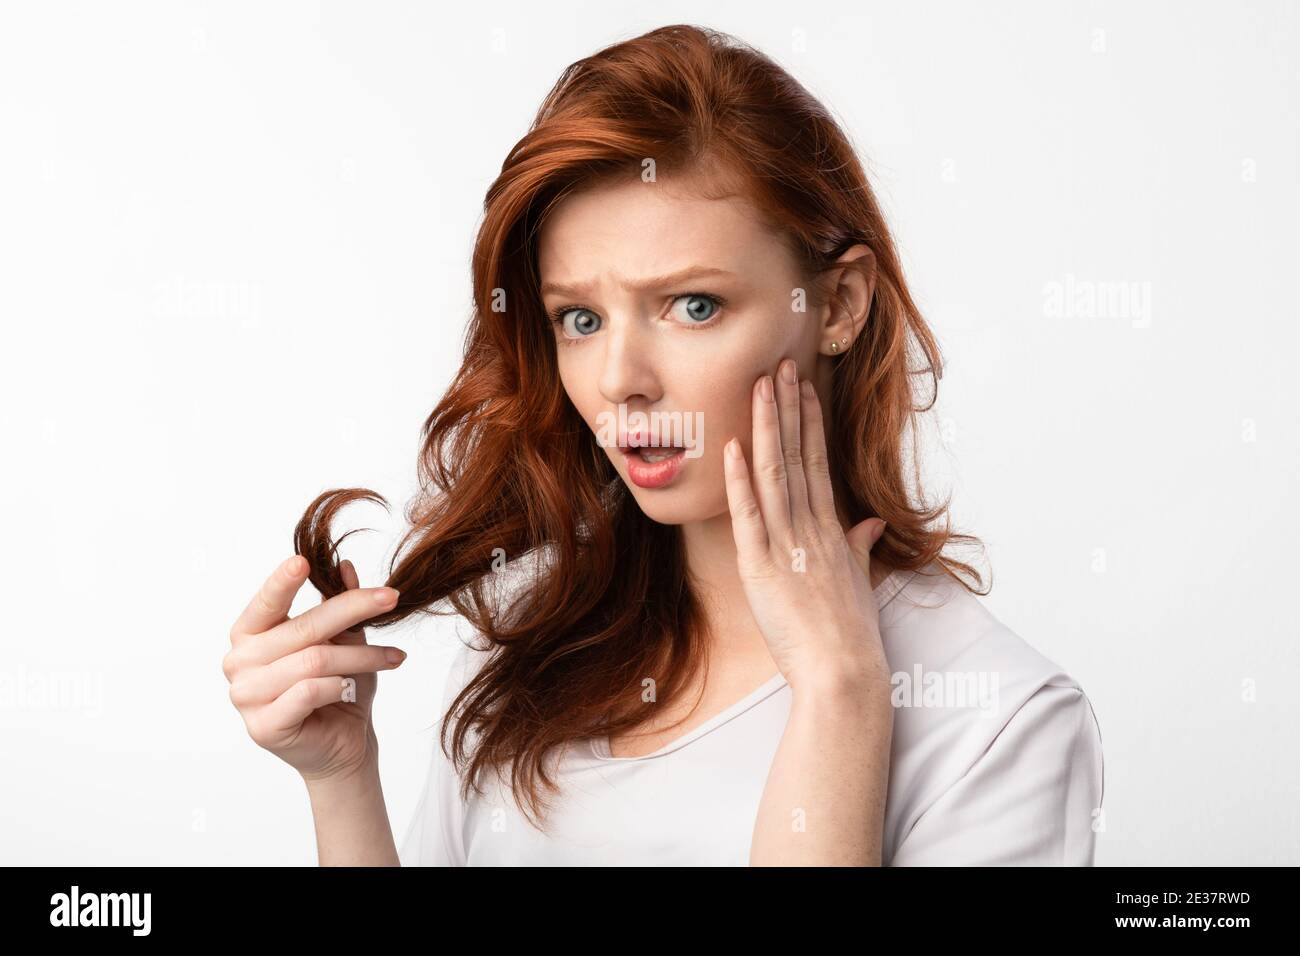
x=628, y=365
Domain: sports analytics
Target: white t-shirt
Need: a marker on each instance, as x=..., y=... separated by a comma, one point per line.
x=996, y=760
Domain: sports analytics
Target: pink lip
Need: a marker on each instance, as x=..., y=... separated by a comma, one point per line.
x=646, y=474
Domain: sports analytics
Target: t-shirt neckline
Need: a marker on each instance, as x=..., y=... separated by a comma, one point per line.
x=884, y=592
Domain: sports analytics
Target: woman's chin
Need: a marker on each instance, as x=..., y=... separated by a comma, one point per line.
x=674, y=504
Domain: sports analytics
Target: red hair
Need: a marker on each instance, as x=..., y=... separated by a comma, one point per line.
x=507, y=463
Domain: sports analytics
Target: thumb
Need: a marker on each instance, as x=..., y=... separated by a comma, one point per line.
x=862, y=537
x=353, y=635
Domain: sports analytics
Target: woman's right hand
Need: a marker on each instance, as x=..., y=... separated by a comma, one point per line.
x=305, y=685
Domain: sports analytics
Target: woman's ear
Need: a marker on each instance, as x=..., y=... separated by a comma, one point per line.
x=846, y=312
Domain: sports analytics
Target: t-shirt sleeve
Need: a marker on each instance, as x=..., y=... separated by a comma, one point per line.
x=1030, y=799
x=434, y=836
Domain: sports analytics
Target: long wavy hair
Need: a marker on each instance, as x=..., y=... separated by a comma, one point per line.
x=509, y=468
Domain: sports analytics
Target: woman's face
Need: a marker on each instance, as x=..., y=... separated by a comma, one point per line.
x=673, y=306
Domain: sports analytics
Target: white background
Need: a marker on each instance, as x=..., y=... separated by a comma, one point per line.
x=234, y=271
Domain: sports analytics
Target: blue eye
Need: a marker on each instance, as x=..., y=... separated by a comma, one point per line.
x=699, y=307
x=580, y=322
x=585, y=323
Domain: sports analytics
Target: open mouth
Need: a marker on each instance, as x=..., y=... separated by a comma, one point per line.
x=651, y=464
x=648, y=446
x=652, y=453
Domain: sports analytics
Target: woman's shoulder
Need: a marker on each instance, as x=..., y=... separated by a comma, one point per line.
x=979, y=712
x=935, y=624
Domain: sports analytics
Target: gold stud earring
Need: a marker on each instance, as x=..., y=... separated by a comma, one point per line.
x=835, y=346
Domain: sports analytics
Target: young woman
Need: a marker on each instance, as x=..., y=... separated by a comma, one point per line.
x=715, y=624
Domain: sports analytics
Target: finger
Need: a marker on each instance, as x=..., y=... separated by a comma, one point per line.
x=790, y=406
x=287, y=712
x=349, y=572
x=862, y=537
x=344, y=610
x=770, y=484
x=816, y=464
x=270, y=605
x=353, y=635
x=262, y=685
x=746, y=518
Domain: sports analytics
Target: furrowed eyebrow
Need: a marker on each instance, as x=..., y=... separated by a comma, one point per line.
x=673, y=280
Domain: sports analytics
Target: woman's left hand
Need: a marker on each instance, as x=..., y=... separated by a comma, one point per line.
x=808, y=583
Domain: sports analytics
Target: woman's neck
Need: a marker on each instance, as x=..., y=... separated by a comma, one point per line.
x=710, y=549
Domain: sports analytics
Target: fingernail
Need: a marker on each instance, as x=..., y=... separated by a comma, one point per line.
x=733, y=448
x=385, y=596
x=291, y=566
x=765, y=388
x=789, y=372
x=806, y=386
x=395, y=655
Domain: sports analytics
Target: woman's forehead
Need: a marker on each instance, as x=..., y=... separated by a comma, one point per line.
x=640, y=231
